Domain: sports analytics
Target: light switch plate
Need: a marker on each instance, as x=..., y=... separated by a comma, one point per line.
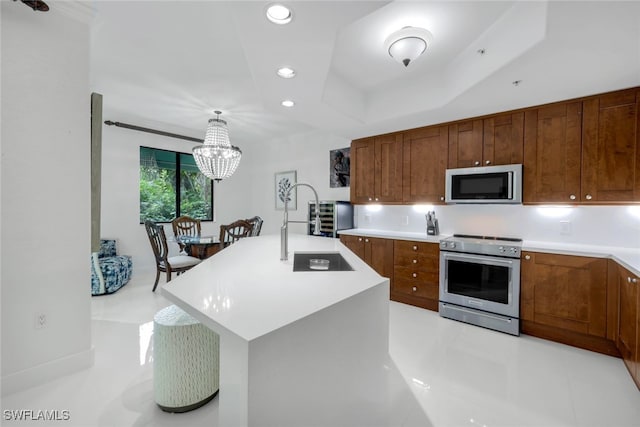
x=565, y=227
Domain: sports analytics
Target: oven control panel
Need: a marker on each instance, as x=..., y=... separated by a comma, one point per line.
x=504, y=247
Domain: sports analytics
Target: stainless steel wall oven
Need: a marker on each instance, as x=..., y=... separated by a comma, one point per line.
x=480, y=281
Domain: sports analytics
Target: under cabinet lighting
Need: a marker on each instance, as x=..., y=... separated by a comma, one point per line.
x=558, y=211
x=288, y=103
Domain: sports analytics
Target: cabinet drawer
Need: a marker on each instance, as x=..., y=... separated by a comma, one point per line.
x=416, y=287
x=417, y=261
x=409, y=247
x=415, y=275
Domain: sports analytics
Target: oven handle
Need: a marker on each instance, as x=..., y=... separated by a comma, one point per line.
x=452, y=307
x=480, y=259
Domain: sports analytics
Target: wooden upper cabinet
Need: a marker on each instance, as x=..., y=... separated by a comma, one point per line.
x=362, y=170
x=611, y=148
x=388, y=168
x=465, y=144
x=496, y=140
x=376, y=165
x=424, y=164
x=502, y=143
x=552, y=151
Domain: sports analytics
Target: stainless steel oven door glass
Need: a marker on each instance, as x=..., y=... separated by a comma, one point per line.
x=486, y=283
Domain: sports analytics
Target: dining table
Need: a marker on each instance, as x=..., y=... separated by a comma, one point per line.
x=200, y=246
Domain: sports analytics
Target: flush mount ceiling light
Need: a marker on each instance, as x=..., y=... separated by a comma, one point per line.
x=286, y=72
x=288, y=103
x=217, y=159
x=407, y=44
x=279, y=14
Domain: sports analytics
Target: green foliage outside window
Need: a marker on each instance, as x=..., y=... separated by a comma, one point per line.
x=161, y=173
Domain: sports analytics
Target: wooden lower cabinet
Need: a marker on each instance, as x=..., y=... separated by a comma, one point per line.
x=376, y=252
x=416, y=273
x=563, y=298
x=628, y=336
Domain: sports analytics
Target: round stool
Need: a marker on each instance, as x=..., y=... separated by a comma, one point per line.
x=185, y=361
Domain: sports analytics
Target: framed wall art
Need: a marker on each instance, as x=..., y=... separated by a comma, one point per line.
x=283, y=182
x=339, y=167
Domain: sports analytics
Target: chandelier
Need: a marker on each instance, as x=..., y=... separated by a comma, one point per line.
x=217, y=158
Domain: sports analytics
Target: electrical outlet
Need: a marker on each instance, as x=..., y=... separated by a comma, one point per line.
x=405, y=220
x=565, y=227
x=367, y=219
x=41, y=320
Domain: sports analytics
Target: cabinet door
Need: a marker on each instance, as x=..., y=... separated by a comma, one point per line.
x=388, y=168
x=552, y=149
x=424, y=164
x=362, y=170
x=379, y=255
x=354, y=243
x=503, y=141
x=564, y=292
x=629, y=321
x=611, y=148
x=465, y=144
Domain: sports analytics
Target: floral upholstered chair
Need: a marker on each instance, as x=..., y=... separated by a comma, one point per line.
x=109, y=271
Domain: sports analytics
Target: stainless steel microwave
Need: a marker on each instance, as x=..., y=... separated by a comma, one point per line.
x=486, y=184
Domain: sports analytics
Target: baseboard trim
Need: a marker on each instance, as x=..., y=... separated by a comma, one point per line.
x=49, y=371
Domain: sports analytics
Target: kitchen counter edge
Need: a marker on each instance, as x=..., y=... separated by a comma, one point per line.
x=629, y=258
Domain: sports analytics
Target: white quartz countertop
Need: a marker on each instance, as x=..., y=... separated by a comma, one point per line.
x=248, y=291
x=396, y=235
x=627, y=257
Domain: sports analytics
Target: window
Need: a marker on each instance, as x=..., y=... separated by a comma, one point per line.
x=171, y=185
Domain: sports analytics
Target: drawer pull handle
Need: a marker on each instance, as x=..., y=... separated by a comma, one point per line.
x=415, y=261
x=415, y=275
x=527, y=257
x=415, y=248
x=632, y=280
x=414, y=289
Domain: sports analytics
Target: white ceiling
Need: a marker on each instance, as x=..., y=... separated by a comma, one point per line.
x=171, y=63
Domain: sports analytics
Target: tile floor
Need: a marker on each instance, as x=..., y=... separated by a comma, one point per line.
x=442, y=373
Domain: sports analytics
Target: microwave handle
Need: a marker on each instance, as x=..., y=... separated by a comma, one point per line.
x=510, y=187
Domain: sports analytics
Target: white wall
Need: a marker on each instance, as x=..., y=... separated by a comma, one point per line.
x=594, y=225
x=45, y=195
x=308, y=154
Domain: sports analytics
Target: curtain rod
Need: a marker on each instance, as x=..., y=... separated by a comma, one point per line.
x=157, y=132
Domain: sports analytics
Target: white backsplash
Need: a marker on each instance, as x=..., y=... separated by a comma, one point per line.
x=593, y=225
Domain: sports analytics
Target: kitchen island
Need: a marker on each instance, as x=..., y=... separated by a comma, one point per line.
x=296, y=348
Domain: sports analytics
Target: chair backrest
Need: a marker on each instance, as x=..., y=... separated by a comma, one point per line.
x=158, y=241
x=256, y=223
x=235, y=231
x=186, y=226
x=107, y=248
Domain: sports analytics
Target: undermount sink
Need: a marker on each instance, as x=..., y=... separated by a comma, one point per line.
x=320, y=261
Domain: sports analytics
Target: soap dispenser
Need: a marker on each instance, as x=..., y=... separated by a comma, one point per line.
x=432, y=224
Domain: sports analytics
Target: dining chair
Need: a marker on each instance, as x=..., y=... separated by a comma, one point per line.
x=164, y=262
x=256, y=223
x=185, y=226
x=233, y=232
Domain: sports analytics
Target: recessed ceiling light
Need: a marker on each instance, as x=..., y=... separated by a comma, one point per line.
x=288, y=103
x=279, y=14
x=286, y=72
